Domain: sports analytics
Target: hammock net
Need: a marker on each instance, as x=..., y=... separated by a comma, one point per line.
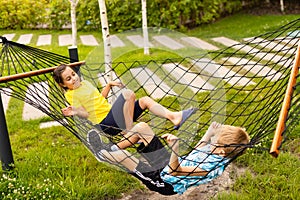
x=242, y=85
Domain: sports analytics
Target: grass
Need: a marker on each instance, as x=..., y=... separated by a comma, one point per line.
x=267, y=178
x=242, y=25
x=52, y=164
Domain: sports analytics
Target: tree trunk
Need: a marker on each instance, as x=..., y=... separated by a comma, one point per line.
x=145, y=27
x=107, y=46
x=282, y=6
x=105, y=36
x=73, y=21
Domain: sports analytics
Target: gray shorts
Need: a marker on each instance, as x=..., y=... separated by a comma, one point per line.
x=114, y=122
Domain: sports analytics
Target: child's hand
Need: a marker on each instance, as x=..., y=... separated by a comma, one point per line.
x=68, y=111
x=171, y=139
x=213, y=129
x=116, y=83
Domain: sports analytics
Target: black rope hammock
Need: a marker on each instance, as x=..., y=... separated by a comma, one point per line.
x=243, y=85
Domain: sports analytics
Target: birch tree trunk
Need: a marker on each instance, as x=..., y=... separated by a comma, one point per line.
x=73, y=21
x=106, y=38
x=282, y=6
x=107, y=47
x=145, y=27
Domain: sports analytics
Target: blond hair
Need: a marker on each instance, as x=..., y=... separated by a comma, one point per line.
x=233, y=139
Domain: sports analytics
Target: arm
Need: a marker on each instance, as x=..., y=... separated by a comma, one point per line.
x=72, y=111
x=107, y=88
x=211, y=131
x=175, y=169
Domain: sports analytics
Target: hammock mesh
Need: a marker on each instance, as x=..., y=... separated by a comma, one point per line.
x=242, y=85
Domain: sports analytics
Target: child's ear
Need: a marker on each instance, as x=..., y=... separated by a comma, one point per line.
x=62, y=85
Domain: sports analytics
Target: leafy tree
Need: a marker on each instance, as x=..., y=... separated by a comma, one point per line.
x=20, y=14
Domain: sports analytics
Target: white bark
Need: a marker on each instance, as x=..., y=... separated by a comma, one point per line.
x=281, y=5
x=106, y=38
x=73, y=21
x=145, y=27
x=107, y=47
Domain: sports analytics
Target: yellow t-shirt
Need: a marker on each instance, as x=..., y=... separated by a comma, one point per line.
x=91, y=99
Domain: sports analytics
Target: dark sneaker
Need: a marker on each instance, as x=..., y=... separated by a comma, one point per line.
x=96, y=144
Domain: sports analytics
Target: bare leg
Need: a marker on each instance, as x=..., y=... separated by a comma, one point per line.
x=140, y=131
x=128, y=108
x=159, y=110
x=123, y=157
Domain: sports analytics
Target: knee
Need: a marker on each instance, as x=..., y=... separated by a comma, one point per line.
x=144, y=100
x=144, y=132
x=142, y=127
x=128, y=95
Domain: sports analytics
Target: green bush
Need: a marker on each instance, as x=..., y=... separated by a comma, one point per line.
x=88, y=15
x=172, y=14
x=20, y=14
x=58, y=14
x=122, y=14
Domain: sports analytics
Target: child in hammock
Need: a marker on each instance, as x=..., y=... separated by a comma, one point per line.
x=87, y=102
x=166, y=172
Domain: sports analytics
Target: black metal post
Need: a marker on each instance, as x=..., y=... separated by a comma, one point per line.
x=73, y=53
x=5, y=147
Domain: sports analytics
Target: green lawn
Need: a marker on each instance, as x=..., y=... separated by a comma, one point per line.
x=52, y=164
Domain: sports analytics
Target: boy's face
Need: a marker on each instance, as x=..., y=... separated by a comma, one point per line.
x=217, y=149
x=71, y=80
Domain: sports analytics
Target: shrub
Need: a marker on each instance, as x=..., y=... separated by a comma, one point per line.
x=122, y=14
x=58, y=14
x=20, y=14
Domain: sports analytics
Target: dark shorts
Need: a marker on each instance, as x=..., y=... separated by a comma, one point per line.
x=155, y=153
x=114, y=122
x=157, y=157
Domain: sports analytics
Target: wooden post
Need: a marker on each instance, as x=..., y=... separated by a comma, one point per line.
x=274, y=151
x=5, y=79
